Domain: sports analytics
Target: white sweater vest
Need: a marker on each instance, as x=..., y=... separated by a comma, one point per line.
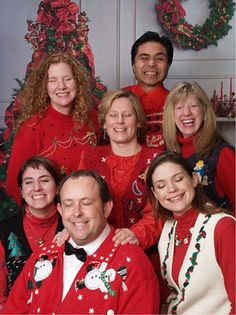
x=205, y=294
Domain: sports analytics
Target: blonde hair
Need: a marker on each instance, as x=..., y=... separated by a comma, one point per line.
x=112, y=95
x=34, y=97
x=209, y=136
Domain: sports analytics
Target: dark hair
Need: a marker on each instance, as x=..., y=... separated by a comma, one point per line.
x=35, y=162
x=153, y=37
x=200, y=201
x=103, y=187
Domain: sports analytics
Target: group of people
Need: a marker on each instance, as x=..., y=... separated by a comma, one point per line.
x=161, y=188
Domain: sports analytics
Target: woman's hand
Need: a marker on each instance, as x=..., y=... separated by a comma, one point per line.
x=60, y=237
x=124, y=236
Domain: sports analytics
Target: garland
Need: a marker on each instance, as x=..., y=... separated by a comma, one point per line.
x=171, y=15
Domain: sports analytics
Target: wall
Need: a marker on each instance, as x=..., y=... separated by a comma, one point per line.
x=114, y=25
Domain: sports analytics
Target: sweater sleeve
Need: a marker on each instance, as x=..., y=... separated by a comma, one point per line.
x=24, y=146
x=225, y=255
x=147, y=230
x=3, y=278
x=225, y=175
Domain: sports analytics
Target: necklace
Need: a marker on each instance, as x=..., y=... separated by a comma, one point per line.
x=38, y=230
x=185, y=240
x=186, y=232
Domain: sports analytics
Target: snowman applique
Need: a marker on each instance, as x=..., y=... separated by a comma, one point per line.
x=100, y=278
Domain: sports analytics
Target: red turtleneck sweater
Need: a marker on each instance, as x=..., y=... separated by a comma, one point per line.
x=153, y=104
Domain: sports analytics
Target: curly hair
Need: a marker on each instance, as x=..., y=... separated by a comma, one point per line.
x=209, y=137
x=34, y=97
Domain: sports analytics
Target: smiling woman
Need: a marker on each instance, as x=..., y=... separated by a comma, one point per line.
x=197, y=243
x=189, y=128
x=56, y=119
x=36, y=224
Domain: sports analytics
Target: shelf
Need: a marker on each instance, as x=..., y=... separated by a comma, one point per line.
x=226, y=119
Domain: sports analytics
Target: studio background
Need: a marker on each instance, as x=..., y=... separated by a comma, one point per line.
x=114, y=25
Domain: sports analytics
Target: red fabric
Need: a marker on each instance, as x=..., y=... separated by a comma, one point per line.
x=130, y=208
x=225, y=169
x=224, y=239
x=135, y=290
x=153, y=103
x=40, y=226
x=55, y=137
x=36, y=228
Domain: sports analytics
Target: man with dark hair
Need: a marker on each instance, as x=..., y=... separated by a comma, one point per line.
x=151, y=57
x=101, y=277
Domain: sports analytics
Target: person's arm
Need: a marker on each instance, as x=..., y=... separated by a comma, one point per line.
x=225, y=175
x=3, y=278
x=23, y=148
x=225, y=254
x=147, y=229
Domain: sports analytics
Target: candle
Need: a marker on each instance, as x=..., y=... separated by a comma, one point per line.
x=221, y=91
x=230, y=89
x=214, y=99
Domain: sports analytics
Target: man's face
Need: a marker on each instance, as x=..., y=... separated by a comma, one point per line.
x=83, y=214
x=150, y=65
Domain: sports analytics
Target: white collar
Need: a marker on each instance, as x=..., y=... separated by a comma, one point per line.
x=91, y=248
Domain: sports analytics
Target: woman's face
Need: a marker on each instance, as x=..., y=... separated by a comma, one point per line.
x=173, y=188
x=61, y=87
x=39, y=190
x=121, y=122
x=188, y=116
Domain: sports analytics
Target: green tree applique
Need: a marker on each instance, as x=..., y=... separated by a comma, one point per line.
x=15, y=246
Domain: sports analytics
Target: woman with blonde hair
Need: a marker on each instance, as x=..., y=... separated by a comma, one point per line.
x=56, y=119
x=189, y=128
x=123, y=163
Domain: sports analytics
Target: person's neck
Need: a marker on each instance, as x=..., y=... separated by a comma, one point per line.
x=148, y=88
x=42, y=213
x=124, y=149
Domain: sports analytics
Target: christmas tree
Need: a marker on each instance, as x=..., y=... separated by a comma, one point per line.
x=59, y=26
x=15, y=246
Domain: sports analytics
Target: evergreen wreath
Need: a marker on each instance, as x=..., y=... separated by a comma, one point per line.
x=171, y=15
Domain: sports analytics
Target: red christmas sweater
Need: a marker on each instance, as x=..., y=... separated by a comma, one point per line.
x=114, y=280
x=153, y=104
x=53, y=136
x=130, y=209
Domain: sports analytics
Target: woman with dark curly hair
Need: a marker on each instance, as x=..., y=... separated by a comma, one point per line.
x=56, y=120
